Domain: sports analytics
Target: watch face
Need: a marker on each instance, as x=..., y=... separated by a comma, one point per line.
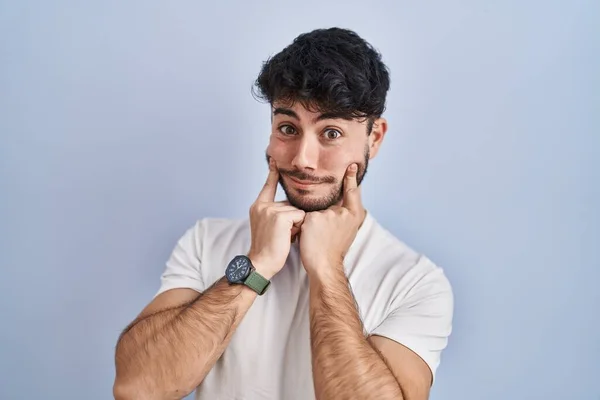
x=238, y=269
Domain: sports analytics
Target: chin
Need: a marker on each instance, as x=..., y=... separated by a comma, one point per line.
x=308, y=206
x=311, y=202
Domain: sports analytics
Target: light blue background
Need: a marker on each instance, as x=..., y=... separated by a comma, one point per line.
x=123, y=122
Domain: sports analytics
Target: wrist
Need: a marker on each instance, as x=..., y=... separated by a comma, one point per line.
x=261, y=266
x=325, y=272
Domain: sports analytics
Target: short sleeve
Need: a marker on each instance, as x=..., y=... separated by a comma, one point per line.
x=183, y=268
x=422, y=320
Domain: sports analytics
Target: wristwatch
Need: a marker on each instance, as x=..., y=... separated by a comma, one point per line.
x=241, y=271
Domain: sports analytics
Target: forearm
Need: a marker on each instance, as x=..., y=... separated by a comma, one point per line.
x=167, y=354
x=345, y=365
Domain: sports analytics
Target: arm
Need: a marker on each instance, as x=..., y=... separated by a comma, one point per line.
x=345, y=364
x=171, y=347
x=167, y=351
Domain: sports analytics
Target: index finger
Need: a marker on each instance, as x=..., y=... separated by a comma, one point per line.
x=267, y=194
x=351, y=191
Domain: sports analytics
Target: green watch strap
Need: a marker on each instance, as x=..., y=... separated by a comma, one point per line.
x=257, y=282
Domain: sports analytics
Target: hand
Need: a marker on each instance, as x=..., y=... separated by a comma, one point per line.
x=326, y=236
x=272, y=227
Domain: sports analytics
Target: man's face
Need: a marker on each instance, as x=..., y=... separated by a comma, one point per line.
x=312, y=153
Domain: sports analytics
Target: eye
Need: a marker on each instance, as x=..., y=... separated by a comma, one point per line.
x=332, y=134
x=287, y=130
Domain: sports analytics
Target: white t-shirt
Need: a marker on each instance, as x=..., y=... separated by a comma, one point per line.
x=400, y=294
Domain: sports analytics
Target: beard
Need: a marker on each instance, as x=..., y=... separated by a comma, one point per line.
x=303, y=200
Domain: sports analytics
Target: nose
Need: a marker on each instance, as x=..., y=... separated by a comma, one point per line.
x=307, y=153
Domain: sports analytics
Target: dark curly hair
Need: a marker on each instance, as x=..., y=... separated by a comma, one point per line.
x=329, y=71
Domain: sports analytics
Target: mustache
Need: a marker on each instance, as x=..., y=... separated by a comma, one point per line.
x=303, y=176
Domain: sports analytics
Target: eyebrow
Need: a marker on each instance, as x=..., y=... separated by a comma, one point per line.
x=324, y=116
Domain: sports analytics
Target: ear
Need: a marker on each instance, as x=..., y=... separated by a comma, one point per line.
x=376, y=136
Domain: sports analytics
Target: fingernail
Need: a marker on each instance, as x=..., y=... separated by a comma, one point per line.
x=353, y=168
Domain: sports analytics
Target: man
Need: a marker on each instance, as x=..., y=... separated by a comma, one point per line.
x=311, y=297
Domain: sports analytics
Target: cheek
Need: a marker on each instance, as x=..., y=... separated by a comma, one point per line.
x=277, y=150
x=336, y=161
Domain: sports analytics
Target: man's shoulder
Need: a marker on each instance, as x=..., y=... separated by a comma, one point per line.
x=223, y=231
x=388, y=255
x=391, y=275
x=216, y=224
x=379, y=242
